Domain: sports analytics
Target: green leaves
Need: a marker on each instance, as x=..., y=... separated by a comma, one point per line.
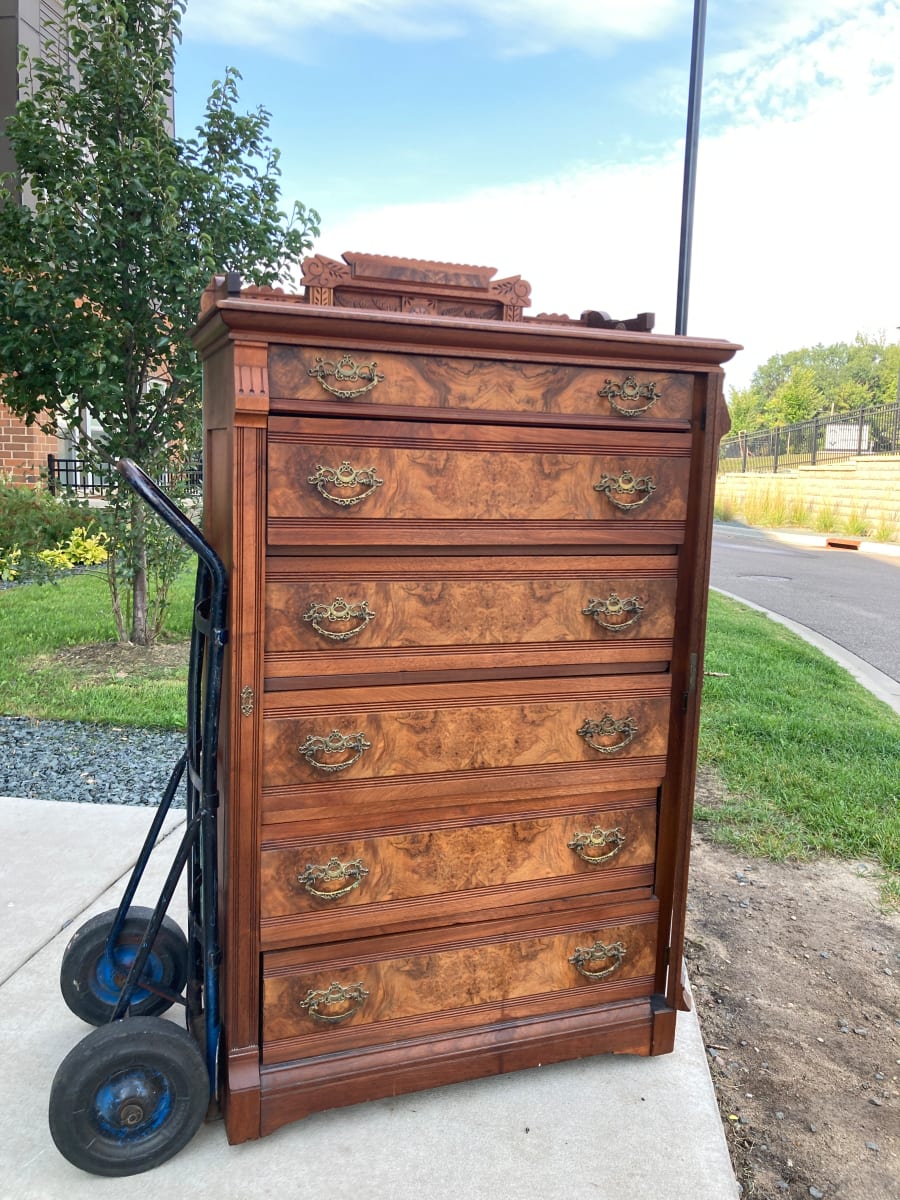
x=101, y=278
x=832, y=379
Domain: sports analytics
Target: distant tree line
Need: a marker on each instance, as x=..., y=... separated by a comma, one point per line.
x=816, y=380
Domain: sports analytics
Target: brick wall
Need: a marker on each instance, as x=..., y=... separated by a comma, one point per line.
x=861, y=488
x=23, y=451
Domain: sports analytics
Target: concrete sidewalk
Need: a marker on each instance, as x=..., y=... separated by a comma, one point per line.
x=616, y=1128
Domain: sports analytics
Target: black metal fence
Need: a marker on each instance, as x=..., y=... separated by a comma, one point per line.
x=75, y=476
x=823, y=439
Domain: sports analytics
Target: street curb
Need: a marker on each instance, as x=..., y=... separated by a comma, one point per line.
x=815, y=540
x=882, y=686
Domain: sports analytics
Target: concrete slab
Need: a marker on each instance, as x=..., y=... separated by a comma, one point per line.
x=57, y=859
x=616, y=1128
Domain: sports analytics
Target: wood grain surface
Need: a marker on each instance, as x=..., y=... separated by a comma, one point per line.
x=449, y=859
x=454, y=473
x=439, y=730
x=484, y=385
x=455, y=987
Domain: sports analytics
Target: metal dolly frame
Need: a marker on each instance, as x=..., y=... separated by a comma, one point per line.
x=134, y=1091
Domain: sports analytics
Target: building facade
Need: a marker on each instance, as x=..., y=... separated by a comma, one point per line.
x=34, y=24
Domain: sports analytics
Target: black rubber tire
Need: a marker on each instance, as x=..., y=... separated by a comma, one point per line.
x=128, y=1097
x=91, y=982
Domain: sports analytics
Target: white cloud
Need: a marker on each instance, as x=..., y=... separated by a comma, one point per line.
x=517, y=26
x=799, y=63
x=795, y=238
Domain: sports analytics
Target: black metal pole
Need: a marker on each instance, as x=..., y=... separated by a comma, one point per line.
x=690, y=166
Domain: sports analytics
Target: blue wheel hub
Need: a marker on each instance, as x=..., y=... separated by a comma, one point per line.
x=133, y=1104
x=112, y=971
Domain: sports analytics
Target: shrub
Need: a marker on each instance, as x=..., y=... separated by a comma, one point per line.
x=9, y=564
x=32, y=520
x=81, y=549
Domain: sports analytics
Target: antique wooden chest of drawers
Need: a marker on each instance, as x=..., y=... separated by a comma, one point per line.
x=468, y=554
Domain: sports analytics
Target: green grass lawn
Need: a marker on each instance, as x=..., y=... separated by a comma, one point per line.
x=43, y=675
x=811, y=760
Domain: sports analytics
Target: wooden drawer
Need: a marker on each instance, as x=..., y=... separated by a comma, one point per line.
x=359, y=483
x=451, y=871
x=457, y=736
x=388, y=989
x=368, y=614
x=605, y=394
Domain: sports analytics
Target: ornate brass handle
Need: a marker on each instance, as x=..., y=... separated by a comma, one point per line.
x=612, y=606
x=355, y=996
x=345, y=476
x=335, y=743
x=606, y=728
x=339, y=610
x=346, y=370
x=627, y=484
x=628, y=391
x=597, y=839
x=332, y=872
x=584, y=955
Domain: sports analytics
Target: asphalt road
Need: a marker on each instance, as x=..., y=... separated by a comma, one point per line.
x=849, y=596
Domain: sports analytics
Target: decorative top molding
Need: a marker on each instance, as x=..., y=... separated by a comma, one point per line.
x=319, y=271
x=418, y=270
x=413, y=285
x=416, y=286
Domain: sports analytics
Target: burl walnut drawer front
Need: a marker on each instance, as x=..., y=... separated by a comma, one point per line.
x=358, y=734
x=354, y=884
x=327, y=616
x=388, y=989
x=604, y=394
x=334, y=482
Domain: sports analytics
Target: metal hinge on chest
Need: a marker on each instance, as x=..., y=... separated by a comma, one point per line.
x=692, y=684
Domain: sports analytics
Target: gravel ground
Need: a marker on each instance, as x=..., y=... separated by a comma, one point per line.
x=87, y=764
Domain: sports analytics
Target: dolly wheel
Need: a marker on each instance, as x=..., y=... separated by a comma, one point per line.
x=128, y=1097
x=91, y=979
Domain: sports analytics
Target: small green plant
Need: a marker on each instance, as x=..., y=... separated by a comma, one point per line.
x=9, y=564
x=855, y=523
x=886, y=531
x=771, y=506
x=825, y=519
x=725, y=508
x=81, y=549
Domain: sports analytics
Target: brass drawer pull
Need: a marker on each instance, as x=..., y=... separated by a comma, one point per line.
x=608, y=727
x=346, y=370
x=333, y=872
x=628, y=485
x=345, y=476
x=584, y=956
x=339, y=610
x=355, y=996
x=597, y=839
x=612, y=606
x=629, y=391
x=335, y=743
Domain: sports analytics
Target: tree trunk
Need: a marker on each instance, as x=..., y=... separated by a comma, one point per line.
x=140, y=632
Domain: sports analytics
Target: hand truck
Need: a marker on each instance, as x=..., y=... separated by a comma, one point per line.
x=134, y=1091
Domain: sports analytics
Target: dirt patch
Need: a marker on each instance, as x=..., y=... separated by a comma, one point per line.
x=795, y=972
x=104, y=660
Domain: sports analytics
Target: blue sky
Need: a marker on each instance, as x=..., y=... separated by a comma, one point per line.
x=545, y=138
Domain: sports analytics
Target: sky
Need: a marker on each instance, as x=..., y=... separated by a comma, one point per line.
x=546, y=138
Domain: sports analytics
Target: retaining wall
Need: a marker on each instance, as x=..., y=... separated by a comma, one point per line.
x=860, y=488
